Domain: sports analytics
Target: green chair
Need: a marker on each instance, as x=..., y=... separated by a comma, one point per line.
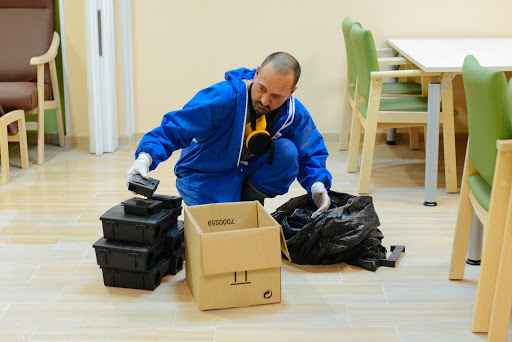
x=486, y=181
x=388, y=89
x=372, y=111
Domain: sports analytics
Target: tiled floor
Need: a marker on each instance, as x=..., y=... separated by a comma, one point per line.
x=52, y=290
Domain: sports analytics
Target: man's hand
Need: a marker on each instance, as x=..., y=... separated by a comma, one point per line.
x=320, y=197
x=140, y=167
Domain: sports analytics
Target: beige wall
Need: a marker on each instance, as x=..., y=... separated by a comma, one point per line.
x=180, y=47
x=76, y=67
x=183, y=46
x=118, y=36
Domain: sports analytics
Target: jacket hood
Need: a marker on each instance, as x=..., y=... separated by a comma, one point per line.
x=237, y=75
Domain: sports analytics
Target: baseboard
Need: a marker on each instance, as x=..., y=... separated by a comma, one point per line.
x=331, y=137
x=76, y=141
x=124, y=141
x=51, y=138
x=400, y=137
x=127, y=140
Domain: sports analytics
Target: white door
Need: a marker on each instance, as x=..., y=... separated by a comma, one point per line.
x=101, y=76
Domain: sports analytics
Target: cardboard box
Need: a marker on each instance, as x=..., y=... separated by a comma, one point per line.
x=233, y=253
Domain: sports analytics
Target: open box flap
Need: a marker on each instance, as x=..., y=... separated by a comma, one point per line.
x=240, y=250
x=264, y=219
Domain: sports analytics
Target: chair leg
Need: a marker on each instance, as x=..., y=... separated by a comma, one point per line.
x=500, y=315
x=368, y=152
x=500, y=195
x=40, y=114
x=414, y=141
x=425, y=136
x=370, y=134
x=355, y=135
x=450, y=163
x=463, y=226
x=4, y=152
x=425, y=80
x=345, y=120
x=355, y=141
x=22, y=133
x=56, y=96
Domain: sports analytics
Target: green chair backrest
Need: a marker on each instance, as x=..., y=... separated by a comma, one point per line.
x=489, y=114
x=346, y=25
x=510, y=96
x=366, y=58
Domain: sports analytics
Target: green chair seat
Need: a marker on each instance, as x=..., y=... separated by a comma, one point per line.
x=481, y=190
x=401, y=88
x=395, y=88
x=409, y=104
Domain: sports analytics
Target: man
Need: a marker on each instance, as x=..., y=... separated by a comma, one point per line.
x=246, y=138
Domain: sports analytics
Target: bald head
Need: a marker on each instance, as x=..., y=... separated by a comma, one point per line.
x=284, y=63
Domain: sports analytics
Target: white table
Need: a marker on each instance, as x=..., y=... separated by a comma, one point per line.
x=446, y=55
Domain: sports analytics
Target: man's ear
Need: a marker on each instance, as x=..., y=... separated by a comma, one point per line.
x=293, y=90
x=257, y=71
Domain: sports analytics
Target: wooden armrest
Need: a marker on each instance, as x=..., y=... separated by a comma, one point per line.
x=384, y=50
x=504, y=145
x=401, y=73
x=393, y=61
x=12, y=116
x=50, y=54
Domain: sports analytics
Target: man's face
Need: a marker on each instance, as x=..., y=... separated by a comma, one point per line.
x=270, y=89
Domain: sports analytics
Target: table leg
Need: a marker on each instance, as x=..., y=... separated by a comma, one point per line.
x=391, y=137
x=432, y=148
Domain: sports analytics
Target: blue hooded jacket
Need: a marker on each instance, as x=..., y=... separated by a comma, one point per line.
x=210, y=131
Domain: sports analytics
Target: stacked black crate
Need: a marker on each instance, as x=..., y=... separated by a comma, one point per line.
x=142, y=239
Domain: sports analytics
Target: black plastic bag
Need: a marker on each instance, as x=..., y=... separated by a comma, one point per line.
x=346, y=232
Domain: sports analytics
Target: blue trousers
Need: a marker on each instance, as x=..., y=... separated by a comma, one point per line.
x=218, y=187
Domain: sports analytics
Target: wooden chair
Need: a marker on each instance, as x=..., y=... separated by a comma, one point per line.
x=486, y=181
x=5, y=120
x=502, y=302
x=372, y=111
x=396, y=89
x=28, y=44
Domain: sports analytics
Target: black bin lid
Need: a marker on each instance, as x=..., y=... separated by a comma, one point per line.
x=117, y=214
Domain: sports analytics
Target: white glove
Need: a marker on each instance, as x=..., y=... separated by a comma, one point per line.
x=140, y=167
x=320, y=197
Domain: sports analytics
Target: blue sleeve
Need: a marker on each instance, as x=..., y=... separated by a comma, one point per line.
x=312, y=151
x=198, y=118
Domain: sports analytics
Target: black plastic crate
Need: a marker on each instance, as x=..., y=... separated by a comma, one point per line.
x=134, y=256
x=170, y=202
x=175, y=213
x=176, y=263
x=130, y=256
x=118, y=225
x=141, y=186
x=175, y=239
x=148, y=280
x=142, y=206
